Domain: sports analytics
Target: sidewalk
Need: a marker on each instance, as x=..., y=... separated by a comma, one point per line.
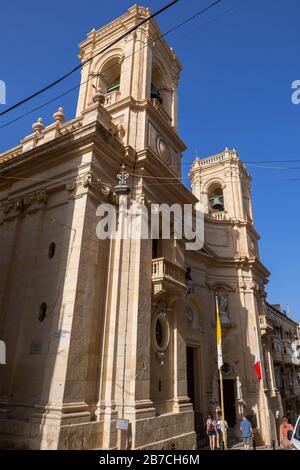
x=240, y=446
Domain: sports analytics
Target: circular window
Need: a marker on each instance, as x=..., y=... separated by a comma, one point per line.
x=51, y=250
x=42, y=312
x=226, y=368
x=163, y=150
x=160, y=333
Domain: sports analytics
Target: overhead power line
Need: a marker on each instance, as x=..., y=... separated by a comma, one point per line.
x=158, y=38
x=82, y=64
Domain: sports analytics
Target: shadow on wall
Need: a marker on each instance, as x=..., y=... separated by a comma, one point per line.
x=50, y=373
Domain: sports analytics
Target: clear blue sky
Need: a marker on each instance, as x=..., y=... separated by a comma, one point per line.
x=235, y=91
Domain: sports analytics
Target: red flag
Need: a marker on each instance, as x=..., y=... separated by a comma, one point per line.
x=257, y=369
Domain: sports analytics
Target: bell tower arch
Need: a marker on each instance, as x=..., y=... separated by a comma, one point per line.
x=221, y=184
x=138, y=78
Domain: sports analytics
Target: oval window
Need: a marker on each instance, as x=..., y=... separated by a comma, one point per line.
x=42, y=312
x=160, y=333
x=51, y=250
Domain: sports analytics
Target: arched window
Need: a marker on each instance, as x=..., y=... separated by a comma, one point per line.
x=156, y=85
x=215, y=198
x=160, y=93
x=110, y=76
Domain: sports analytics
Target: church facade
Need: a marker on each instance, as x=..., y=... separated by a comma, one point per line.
x=103, y=330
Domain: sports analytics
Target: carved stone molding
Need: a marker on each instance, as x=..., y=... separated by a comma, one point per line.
x=42, y=197
x=258, y=289
x=89, y=184
x=220, y=285
x=175, y=73
x=20, y=205
x=80, y=185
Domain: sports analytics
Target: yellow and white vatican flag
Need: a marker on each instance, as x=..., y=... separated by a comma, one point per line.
x=219, y=336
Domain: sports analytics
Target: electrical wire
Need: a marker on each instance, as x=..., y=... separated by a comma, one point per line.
x=152, y=41
x=82, y=64
x=161, y=36
x=162, y=179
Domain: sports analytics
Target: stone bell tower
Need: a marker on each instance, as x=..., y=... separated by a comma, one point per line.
x=138, y=78
x=222, y=185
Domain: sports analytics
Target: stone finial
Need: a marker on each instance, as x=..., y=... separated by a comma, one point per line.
x=59, y=116
x=38, y=126
x=98, y=97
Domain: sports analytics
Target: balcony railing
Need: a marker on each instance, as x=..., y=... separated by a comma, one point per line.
x=112, y=97
x=216, y=158
x=287, y=357
x=277, y=356
x=161, y=111
x=167, y=275
x=218, y=215
x=265, y=324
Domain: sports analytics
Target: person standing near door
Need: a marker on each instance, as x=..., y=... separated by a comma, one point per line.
x=211, y=431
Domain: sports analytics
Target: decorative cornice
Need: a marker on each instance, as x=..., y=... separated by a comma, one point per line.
x=21, y=205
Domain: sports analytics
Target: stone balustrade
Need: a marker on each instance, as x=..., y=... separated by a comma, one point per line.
x=166, y=274
x=161, y=111
x=218, y=215
x=265, y=324
x=12, y=153
x=43, y=134
x=111, y=98
x=218, y=158
x=227, y=154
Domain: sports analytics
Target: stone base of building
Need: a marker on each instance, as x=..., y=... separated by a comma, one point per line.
x=183, y=442
x=170, y=431
x=20, y=435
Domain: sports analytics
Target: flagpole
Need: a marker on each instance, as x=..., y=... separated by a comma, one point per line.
x=220, y=363
x=224, y=430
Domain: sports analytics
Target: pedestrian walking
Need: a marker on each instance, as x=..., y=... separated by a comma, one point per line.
x=221, y=432
x=211, y=431
x=285, y=433
x=247, y=432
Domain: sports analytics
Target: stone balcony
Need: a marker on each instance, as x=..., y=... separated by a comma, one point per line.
x=167, y=275
x=111, y=98
x=277, y=356
x=161, y=111
x=287, y=358
x=265, y=324
x=217, y=215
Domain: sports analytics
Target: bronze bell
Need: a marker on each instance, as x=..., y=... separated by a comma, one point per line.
x=155, y=93
x=217, y=203
x=114, y=86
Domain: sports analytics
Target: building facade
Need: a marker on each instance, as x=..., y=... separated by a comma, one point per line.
x=99, y=330
x=281, y=346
